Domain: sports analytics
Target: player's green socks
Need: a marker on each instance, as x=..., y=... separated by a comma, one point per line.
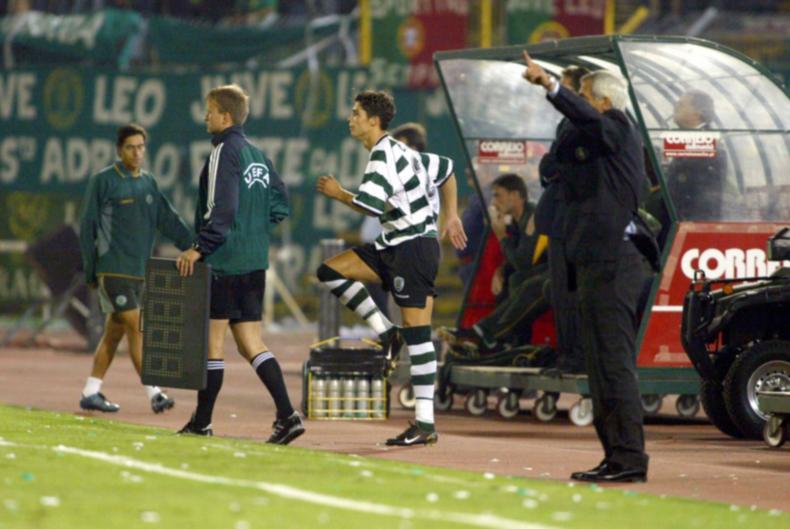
x=423, y=372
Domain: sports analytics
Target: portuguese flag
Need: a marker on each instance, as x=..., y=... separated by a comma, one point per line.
x=404, y=35
x=538, y=20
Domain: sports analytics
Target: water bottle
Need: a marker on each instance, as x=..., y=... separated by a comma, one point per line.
x=318, y=403
x=348, y=397
x=377, y=396
x=334, y=397
x=363, y=398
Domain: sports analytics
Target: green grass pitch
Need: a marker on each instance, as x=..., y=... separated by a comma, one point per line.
x=63, y=471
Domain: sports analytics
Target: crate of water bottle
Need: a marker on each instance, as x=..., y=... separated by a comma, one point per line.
x=349, y=396
x=345, y=380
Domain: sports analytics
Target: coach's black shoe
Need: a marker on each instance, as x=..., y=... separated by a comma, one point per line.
x=414, y=435
x=161, y=402
x=193, y=428
x=286, y=430
x=611, y=473
x=391, y=344
x=99, y=402
x=587, y=475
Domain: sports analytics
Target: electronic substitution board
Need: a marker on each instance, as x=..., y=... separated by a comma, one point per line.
x=175, y=325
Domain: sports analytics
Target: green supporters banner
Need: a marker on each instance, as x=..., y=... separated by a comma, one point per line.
x=40, y=38
x=539, y=20
x=59, y=124
x=174, y=40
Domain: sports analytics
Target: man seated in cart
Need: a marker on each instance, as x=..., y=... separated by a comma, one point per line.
x=695, y=174
x=520, y=281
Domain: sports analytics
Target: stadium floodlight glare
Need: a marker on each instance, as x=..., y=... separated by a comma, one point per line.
x=597, y=61
x=550, y=67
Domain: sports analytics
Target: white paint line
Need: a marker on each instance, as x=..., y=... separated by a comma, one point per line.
x=293, y=493
x=667, y=308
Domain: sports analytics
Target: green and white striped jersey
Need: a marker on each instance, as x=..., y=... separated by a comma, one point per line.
x=400, y=186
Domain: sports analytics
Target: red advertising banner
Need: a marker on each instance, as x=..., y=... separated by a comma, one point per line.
x=684, y=144
x=720, y=250
x=502, y=152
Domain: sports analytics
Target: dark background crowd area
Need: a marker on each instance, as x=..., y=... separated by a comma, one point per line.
x=256, y=10
x=203, y=10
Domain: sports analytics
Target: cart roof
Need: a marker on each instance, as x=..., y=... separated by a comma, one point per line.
x=743, y=143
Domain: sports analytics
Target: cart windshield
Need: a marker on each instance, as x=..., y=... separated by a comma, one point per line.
x=720, y=130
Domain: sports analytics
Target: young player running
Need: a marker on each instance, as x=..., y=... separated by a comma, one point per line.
x=401, y=187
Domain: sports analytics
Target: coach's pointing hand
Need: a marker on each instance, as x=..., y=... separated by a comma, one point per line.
x=186, y=261
x=535, y=74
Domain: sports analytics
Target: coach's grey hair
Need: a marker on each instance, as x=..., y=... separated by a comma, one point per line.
x=607, y=84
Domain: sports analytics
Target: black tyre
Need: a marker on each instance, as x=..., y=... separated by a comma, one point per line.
x=765, y=366
x=711, y=395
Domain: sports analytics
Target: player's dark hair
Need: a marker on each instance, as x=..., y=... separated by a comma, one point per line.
x=412, y=134
x=132, y=129
x=378, y=104
x=233, y=100
x=511, y=182
x=575, y=74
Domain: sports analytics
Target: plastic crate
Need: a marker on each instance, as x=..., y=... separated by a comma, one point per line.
x=345, y=383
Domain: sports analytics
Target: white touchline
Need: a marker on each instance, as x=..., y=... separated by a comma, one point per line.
x=378, y=468
x=286, y=491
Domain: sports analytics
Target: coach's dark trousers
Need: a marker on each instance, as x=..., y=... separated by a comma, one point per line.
x=608, y=296
x=565, y=305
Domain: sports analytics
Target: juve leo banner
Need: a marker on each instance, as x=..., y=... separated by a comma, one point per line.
x=405, y=35
x=539, y=20
x=58, y=125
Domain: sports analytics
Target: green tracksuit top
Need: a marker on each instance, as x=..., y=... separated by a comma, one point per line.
x=121, y=214
x=241, y=197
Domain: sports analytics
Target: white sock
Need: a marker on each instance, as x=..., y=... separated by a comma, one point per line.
x=355, y=296
x=92, y=386
x=379, y=322
x=152, y=391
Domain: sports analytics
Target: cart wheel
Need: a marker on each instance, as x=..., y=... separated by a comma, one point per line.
x=687, y=405
x=581, y=413
x=507, y=405
x=443, y=402
x=406, y=397
x=651, y=404
x=475, y=403
x=545, y=408
x=775, y=431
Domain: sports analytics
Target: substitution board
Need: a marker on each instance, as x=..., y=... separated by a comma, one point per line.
x=175, y=325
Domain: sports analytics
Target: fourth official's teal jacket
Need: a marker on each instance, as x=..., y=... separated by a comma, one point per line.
x=121, y=214
x=241, y=197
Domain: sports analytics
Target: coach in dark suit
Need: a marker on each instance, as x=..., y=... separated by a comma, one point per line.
x=602, y=173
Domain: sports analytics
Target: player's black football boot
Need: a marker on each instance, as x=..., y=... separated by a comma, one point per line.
x=286, y=430
x=412, y=436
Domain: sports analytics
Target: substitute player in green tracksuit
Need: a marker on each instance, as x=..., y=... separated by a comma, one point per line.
x=123, y=210
x=241, y=197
